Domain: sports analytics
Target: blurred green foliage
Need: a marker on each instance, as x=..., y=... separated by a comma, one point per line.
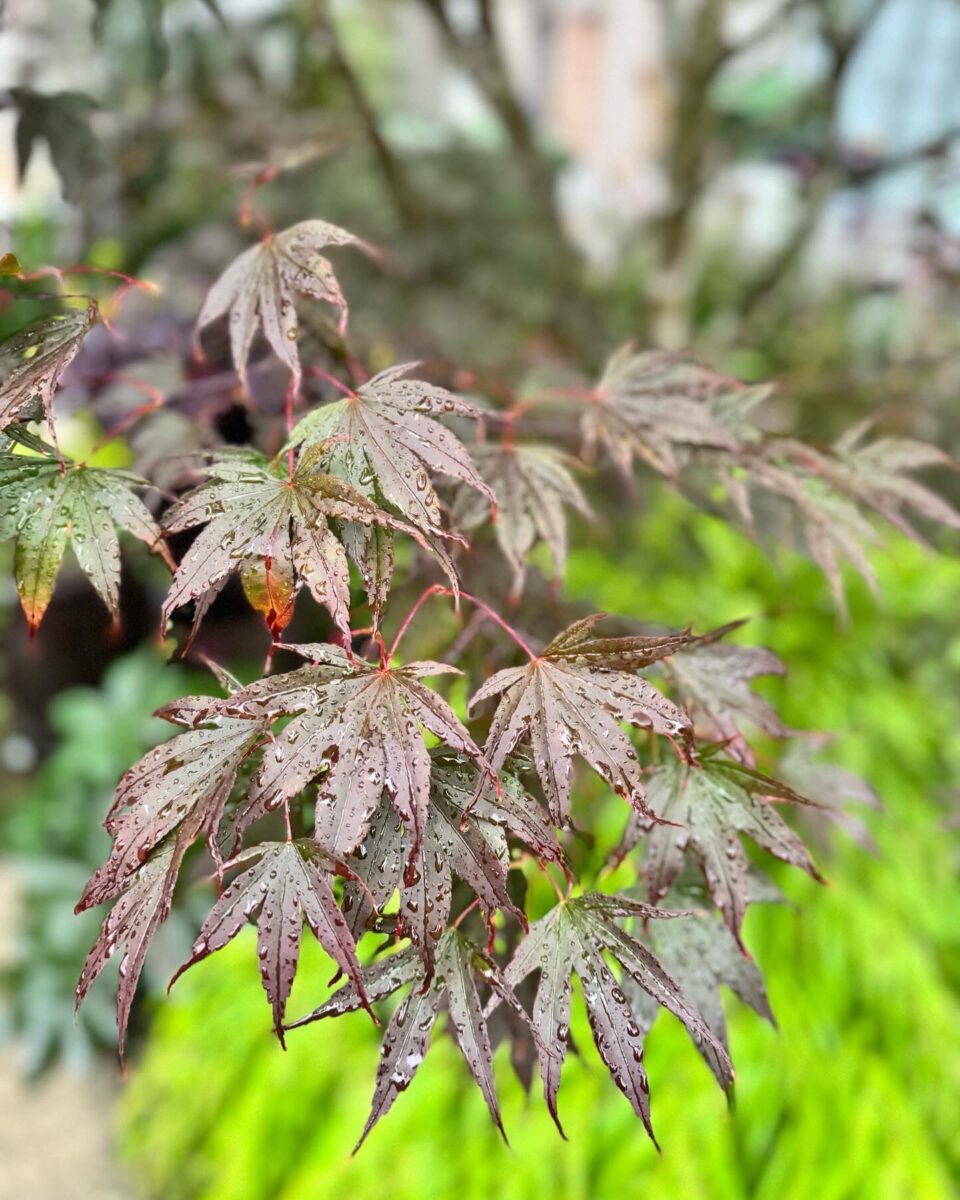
x=853, y=1098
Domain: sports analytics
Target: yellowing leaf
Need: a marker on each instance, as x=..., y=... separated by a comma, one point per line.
x=43, y=507
x=277, y=530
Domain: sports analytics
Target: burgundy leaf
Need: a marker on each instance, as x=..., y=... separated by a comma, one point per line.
x=383, y=441
x=257, y=291
x=286, y=886
x=701, y=955
x=357, y=729
x=131, y=923
x=407, y=1036
x=571, y=939
x=714, y=679
x=710, y=804
x=571, y=700
x=455, y=843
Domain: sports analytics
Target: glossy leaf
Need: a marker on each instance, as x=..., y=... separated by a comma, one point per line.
x=702, y=955
x=33, y=361
x=135, y=917
x=357, y=729
x=831, y=493
x=287, y=885
x=45, y=506
x=182, y=784
x=384, y=441
x=460, y=965
x=572, y=699
x=275, y=529
x=456, y=843
x=573, y=939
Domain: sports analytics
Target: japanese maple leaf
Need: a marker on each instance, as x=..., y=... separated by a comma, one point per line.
x=182, y=784
x=33, y=361
x=356, y=729
x=714, y=802
x=533, y=486
x=833, y=785
x=701, y=955
x=571, y=699
x=258, y=289
x=286, y=886
x=456, y=842
x=833, y=528
x=877, y=475
x=131, y=923
x=406, y=1039
x=714, y=679
x=572, y=939
x=44, y=505
x=830, y=490
x=274, y=528
x=384, y=441
x=648, y=404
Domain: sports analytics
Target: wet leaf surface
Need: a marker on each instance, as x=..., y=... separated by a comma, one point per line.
x=33, y=361
x=45, y=507
x=287, y=885
x=710, y=804
x=572, y=699
x=257, y=291
x=572, y=939
x=277, y=529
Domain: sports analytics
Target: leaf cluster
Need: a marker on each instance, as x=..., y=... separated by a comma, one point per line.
x=420, y=840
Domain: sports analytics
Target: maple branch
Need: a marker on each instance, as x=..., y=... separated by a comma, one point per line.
x=553, y=883
x=466, y=912
x=438, y=589
x=127, y=281
x=409, y=205
x=495, y=616
x=320, y=373
x=247, y=212
x=157, y=400
x=435, y=589
x=286, y=818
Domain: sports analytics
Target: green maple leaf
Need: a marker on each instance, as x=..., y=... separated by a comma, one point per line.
x=273, y=527
x=46, y=505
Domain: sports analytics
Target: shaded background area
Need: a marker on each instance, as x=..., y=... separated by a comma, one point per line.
x=773, y=184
